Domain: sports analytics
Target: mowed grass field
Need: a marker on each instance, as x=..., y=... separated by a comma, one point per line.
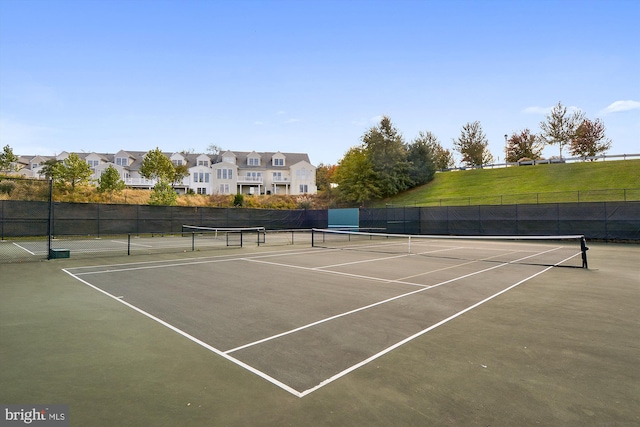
x=554, y=183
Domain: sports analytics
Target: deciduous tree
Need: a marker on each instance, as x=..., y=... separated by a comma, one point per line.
x=163, y=194
x=157, y=166
x=73, y=171
x=589, y=139
x=524, y=144
x=560, y=126
x=473, y=145
x=444, y=159
x=324, y=176
x=110, y=181
x=355, y=177
x=180, y=172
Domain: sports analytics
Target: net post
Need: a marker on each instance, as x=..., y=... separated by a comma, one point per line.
x=193, y=241
x=584, y=249
x=313, y=231
x=129, y=244
x=409, y=245
x=50, y=219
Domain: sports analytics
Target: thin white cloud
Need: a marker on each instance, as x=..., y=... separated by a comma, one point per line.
x=280, y=113
x=291, y=120
x=258, y=123
x=618, y=106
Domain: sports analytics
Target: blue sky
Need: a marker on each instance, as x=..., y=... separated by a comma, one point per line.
x=308, y=76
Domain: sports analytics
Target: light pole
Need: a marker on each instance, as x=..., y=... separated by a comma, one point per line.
x=505, y=150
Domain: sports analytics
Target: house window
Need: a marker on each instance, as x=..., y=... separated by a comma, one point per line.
x=304, y=188
x=177, y=162
x=277, y=176
x=278, y=162
x=254, y=161
x=225, y=174
x=303, y=174
x=224, y=188
x=201, y=190
x=254, y=176
x=93, y=163
x=122, y=161
x=201, y=177
x=34, y=166
x=203, y=162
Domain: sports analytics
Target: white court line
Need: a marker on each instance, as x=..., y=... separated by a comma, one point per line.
x=346, y=313
x=177, y=262
x=342, y=373
x=25, y=249
x=191, y=337
x=452, y=266
x=414, y=336
x=132, y=244
x=423, y=288
x=339, y=273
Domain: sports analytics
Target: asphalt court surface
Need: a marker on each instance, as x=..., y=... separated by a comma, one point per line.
x=302, y=318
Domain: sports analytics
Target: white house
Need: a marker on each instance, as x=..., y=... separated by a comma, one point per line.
x=227, y=173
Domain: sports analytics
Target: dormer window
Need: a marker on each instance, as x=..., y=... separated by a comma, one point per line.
x=122, y=161
x=278, y=162
x=177, y=162
x=254, y=161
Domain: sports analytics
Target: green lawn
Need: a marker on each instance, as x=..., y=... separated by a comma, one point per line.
x=569, y=182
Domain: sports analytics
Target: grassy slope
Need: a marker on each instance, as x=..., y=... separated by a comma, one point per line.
x=526, y=180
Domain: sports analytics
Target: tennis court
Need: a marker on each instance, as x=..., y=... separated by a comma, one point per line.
x=25, y=249
x=303, y=318
x=451, y=332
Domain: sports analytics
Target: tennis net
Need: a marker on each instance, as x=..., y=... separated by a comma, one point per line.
x=228, y=236
x=564, y=251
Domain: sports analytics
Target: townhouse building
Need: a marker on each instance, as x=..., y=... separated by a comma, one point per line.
x=230, y=172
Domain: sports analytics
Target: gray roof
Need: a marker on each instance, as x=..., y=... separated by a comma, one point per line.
x=241, y=158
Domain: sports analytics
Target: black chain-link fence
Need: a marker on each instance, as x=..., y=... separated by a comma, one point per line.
x=573, y=196
x=39, y=230
x=607, y=221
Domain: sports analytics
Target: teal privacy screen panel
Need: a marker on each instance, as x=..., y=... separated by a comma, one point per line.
x=348, y=219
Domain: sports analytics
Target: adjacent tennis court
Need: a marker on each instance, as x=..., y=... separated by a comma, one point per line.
x=305, y=317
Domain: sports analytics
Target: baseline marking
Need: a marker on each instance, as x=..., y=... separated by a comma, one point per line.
x=24, y=249
x=414, y=336
x=340, y=374
x=191, y=337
